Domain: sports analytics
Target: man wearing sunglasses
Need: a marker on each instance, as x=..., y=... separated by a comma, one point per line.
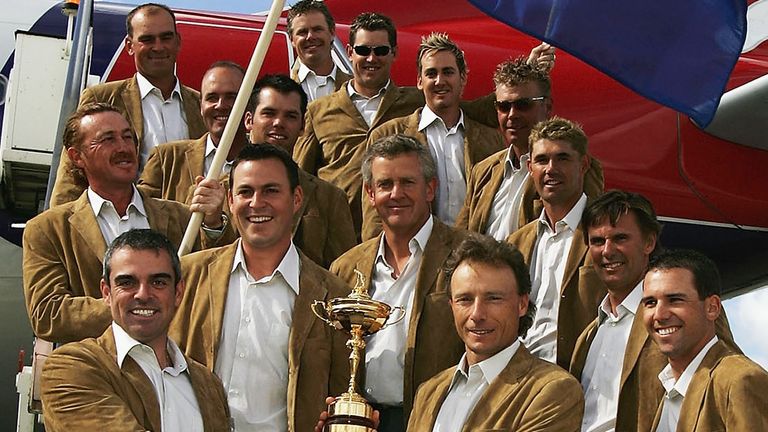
x=456, y=142
x=500, y=195
x=312, y=29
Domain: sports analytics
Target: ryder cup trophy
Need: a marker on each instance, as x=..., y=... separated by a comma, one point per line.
x=360, y=316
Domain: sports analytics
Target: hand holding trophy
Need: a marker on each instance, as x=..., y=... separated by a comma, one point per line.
x=359, y=316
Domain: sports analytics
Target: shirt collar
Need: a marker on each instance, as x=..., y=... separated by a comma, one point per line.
x=145, y=86
x=304, y=71
x=573, y=217
x=628, y=306
x=419, y=241
x=124, y=344
x=353, y=94
x=491, y=366
x=97, y=202
x=680, y=386
x=210, y=148
x=509, y=167
x=288, y=268
x=428, y=117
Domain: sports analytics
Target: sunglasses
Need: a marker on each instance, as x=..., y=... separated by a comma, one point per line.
x=378, y=51
x=522, y=104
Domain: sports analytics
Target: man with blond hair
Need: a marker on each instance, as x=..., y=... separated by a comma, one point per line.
x=501, y=197
x=565, y=290
x=455, y=141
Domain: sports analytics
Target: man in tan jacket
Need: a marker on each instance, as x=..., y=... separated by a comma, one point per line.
x=614, y=358
x=323, y=227
x=455, y=141
x=708, y=386
x=246, y=313
x=402, y=268
x=501, y=196
x=498, y=384
x=175, y=167
x=63, y=246
x=158, y=108
x=565, y=290
x=312, y=30
x=133, y=377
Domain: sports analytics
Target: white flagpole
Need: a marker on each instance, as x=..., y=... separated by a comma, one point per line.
x=236, y=116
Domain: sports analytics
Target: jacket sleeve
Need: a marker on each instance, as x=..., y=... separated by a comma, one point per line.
x=55, y=312
x=77, y=395
x=308, y=152
x=559, y=407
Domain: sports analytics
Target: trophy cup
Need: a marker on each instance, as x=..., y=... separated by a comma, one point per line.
x=360, y=316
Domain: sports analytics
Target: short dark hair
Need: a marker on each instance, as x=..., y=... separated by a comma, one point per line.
x=615, y=203
x=152, y=8
x=706, y=277
x=482, y=249
x=261, y=151
x=371, y=21
x=72, y=136
x=281, y=83
x=304, y=7
x=142, y=240
x=514, y=72
x=392, y=146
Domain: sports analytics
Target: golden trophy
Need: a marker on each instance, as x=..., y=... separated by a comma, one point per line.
x=360, y=316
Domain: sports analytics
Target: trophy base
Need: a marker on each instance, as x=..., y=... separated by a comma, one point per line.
x=349, y=413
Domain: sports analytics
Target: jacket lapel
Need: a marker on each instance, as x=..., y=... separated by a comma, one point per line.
x=191, y=102
x=311, y=288
x=136, y=377
x=157, y=214
x=84, y=222
x=694, y=396
x=219, y=272
x=391, y=95
x=638, y=337
x=195, y=155
x=344, y=102
x=582, y=350
x=489, y=191
x=131, y=96
x=308, y=186
x=435, y=254
x=575, y=258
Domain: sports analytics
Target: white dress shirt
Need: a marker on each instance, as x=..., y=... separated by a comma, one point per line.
x=110, y=223
x=385, y=350
x=210, y=152
x=468, y=386
x=367, y=106
x=548, y=268
x=675, y=390
x=164, y=119
x=179, y=409
x=505, y=210
x=316, y=86
x=447, y=148
x=252, y=359
x=601, y=377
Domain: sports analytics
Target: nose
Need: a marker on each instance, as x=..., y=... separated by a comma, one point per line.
x=661, y=312
x=143, y=292
x=478, y=311
x=256, y=200
x=397, y=191
x=608, y=248
x=438, y=79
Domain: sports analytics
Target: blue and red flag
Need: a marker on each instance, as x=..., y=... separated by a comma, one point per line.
x=679, y=53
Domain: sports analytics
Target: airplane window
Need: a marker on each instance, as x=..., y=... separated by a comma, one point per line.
x=747, y=317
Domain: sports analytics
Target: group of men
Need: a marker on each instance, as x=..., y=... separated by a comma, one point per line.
x=541, y=275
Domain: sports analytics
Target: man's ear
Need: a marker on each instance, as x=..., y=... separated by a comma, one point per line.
x=105, y=292
x=75, y=156
x=129, y=46
x=712, y=307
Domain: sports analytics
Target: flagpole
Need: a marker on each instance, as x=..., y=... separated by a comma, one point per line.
x=236, y=116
